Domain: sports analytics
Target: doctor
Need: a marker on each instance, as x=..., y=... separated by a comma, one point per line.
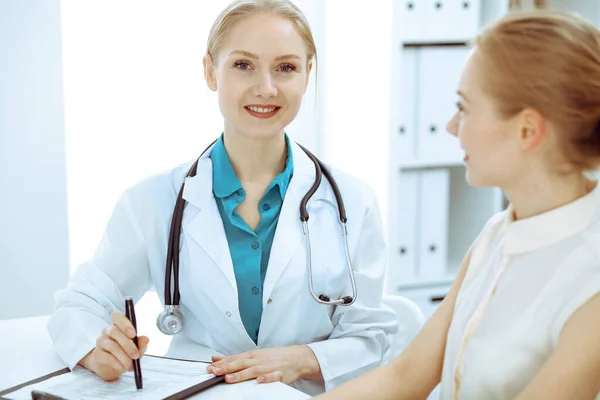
x=243, y=258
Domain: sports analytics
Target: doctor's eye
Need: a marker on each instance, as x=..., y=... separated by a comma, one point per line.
x=243, y=65
x=287, y=68
x=460, y=107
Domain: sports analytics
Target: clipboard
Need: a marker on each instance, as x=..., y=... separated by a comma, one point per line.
x=191, y=383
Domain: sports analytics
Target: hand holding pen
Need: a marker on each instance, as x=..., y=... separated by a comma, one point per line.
x=115, y=351
x=137, y=369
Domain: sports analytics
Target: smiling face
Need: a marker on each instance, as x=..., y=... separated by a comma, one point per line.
x=493, y=146
x=260, y=74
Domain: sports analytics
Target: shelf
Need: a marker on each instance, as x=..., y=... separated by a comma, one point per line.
x=422, y=284
x=458, y=43
x=421, y=164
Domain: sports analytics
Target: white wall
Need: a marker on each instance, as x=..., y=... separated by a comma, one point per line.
x=33, y=215
x=357, y=80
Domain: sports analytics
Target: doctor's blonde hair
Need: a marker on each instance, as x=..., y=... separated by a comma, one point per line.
x=549, y=61
x=240, y=9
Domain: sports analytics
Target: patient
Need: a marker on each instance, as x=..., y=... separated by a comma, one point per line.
x=522, y=320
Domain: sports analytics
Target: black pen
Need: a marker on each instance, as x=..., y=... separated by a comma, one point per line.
x=130, y=314
x=40, y=395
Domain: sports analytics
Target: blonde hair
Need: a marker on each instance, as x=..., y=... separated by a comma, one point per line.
x=548, y=61
x=240, y=9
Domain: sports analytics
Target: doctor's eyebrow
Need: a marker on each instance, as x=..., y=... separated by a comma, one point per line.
x=254, y=56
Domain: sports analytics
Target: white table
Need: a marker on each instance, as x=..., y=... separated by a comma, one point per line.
x=26, y=353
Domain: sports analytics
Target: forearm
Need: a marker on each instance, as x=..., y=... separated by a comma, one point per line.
x=416, y=372
x=384, y=383
x=344, y=358
x=309, y=366
x=85, y=362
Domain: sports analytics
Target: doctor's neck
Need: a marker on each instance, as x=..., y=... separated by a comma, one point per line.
x=256, y=159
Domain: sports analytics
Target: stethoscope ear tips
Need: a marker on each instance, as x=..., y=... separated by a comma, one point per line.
x=327, y=299
x=323, y=297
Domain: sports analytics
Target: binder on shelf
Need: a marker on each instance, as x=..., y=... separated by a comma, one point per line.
x=451, y=20
x=439, y=72
x=405, y=246
x=434, y=204
x=406, y=125
x=413, y=19
x=440, y=21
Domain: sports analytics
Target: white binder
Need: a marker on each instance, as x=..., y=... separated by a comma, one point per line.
x=439, y=72
x=404, y=248
x=440, y=21
x=434, y=205
x=451, y=20
x=413, y=20
x=406, y=132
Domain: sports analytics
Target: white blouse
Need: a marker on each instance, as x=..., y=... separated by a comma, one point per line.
x=525, y=279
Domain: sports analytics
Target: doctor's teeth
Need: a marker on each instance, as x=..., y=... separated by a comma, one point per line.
x=261, y=110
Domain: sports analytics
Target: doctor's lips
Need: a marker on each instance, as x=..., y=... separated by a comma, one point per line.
x=262, y=110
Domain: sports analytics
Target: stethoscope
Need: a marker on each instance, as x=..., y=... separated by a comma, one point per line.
x=170, y=321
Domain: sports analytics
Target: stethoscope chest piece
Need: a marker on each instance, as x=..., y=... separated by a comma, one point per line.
x=170, y=320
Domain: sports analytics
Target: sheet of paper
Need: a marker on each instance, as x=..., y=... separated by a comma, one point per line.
x=161, y=378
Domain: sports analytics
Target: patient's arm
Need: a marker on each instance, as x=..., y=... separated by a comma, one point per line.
x=416, y=372
x=573, y=369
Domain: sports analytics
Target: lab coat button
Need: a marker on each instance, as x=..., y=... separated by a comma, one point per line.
x=228, y=314
x=269, y=301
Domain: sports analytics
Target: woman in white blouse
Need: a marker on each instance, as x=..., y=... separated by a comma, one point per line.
x=522, y=320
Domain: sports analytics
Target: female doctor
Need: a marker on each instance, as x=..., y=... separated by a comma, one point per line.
x=244, y=262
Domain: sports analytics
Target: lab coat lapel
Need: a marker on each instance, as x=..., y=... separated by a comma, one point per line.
x=206, y=228
x=288, y=235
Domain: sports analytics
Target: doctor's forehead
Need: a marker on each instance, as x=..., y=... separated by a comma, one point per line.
x=265, y=36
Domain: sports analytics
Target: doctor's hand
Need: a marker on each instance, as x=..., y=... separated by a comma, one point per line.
x=284, y=364
x=115, y=349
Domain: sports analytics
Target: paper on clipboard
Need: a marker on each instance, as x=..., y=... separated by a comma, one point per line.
x=164, y=378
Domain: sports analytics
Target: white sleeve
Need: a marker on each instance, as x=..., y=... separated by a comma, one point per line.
x=579, y=292
x=361, y=335
x=118, y=268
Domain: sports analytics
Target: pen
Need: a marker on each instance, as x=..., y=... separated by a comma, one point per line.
x=130, y=314
x=39, y=395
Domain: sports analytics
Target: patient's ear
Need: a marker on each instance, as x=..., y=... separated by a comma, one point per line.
x=532, y=129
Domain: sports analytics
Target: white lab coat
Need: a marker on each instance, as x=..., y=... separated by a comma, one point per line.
x=347, y=341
